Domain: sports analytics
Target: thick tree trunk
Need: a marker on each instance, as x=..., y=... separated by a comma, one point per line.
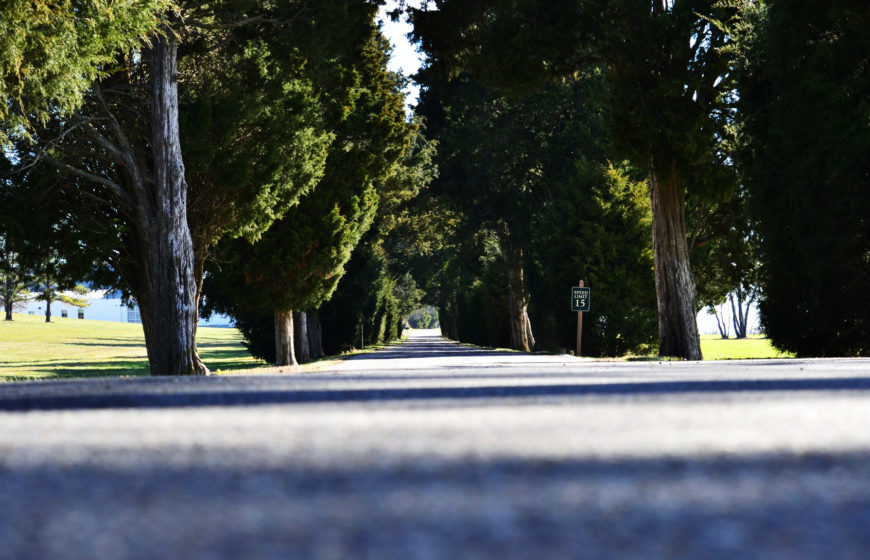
x=8, y=306
x=172, y=313
x=300, y=337
x=284, y=352
x=315, y=335
x=675, y=288
x=521, y=328
x=47, y=310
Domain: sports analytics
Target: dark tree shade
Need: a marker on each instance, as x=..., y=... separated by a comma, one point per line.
x=670, y=87
x=804, y=101
x=533, y=168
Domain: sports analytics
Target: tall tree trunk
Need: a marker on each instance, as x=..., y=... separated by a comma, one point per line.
x=722, y=324
x=9, y=295
x=284, y=352
x=172, y=307
x=198, y=271
x=521, y=328
x=315, y=334
x=746, y=316
x=48, y=310
x=737, y=317
x=300, y=337
x=675, y=288
x=454, y=319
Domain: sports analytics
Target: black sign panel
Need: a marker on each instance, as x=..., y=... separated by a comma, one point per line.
x=580, y=298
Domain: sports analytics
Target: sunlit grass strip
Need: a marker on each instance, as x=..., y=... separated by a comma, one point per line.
x=30, y=348
x=754, y=347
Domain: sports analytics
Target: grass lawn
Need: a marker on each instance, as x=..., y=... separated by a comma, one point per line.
x=30, y=348
x=716, y=348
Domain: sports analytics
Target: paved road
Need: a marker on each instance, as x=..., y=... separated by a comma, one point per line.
x=435, y=450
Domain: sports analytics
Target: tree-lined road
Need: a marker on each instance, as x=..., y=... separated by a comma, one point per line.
x=436, y=450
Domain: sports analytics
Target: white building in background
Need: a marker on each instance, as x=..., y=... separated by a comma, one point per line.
x=103, y=306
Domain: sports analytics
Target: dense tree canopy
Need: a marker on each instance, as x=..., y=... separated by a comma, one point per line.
x=299, y=261
x=269, y=137
x=670, y=85
x=247, y=102
x=538, y=207
x=804, y=105
x=51, y=52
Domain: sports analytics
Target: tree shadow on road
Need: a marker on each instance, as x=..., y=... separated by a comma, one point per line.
x=167, y=393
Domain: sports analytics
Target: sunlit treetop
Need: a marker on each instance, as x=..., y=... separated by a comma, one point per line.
x=52, y=50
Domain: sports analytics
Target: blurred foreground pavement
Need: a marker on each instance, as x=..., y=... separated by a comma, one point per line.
x=436, y=450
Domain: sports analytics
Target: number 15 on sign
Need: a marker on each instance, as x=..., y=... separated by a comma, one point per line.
x=580, y=299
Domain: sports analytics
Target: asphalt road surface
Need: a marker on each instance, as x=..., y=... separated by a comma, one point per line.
x=436, y=450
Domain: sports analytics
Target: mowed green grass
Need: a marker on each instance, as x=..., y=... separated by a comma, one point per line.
x=30, y=348
x=714, y=347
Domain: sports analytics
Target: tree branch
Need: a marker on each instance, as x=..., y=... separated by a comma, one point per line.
x=126, y=150
x=114, y=188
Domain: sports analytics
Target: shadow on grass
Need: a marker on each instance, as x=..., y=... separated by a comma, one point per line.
x=225, y=360
x=216, y=343
x=107, y=344
x=214, y=365
x=70, y=369
x=224, y=355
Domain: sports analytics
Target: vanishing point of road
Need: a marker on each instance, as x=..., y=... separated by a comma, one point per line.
x=432, y=449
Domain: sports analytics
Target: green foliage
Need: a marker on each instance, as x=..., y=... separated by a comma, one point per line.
x=597, y=230
x=267, y=84
x=252, y=131
x=15, y=275
x=45, y=248
x=71, y=299
x=424, y=318
x=537, y=167
x=725, y=250
x=363, y=308
x=51, y=52
x=478, y=309
x=379, y=290
x=670, y=96
x=804, y=107
x=300, y=259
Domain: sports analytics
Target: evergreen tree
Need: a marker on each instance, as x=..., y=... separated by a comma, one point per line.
x=46, y=250
x=539, y=207
x=804, y=86
x=127, y=140
x=297, y=263
x=14, y=274
x=51, y=52
x=670, y=89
